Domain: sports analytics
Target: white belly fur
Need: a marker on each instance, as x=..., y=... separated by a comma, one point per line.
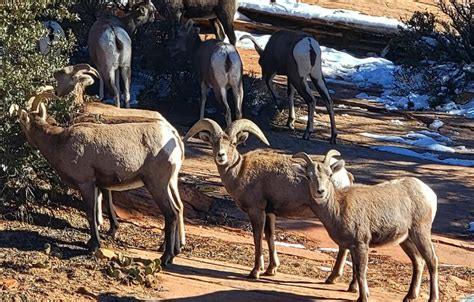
x=126, y=185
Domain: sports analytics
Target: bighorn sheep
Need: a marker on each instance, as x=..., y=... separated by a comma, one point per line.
x=110, y=47
x=262, y=183
x=76, y=78
x=358, y=217
x=216, y=64
x=296, y=55
x=115, y=157
x=55, y=32
x=220, y=13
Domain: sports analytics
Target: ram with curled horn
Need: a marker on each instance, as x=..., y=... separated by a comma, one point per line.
x=264, y=184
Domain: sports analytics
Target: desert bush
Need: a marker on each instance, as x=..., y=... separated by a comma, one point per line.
x=25, y=176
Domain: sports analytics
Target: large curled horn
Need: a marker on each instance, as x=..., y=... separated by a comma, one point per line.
x=248, y=126
x=85, y=68
x=32, y=95
x=189, y=24
x=36, y=100
x=305, y=156
x=258, y=48
x=204, y=124
x=331, y=153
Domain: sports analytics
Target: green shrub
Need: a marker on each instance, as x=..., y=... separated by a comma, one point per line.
x=25, y=176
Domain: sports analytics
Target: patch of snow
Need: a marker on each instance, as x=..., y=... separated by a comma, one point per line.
x=307, y=11
x=471, y=227
x=426, y=156
x=436, y=124
x=325, y=269
x=328, y=249
x=397, y=122
x=469, y=298
x=418, y=139
x=293, y=245
x=452, y=108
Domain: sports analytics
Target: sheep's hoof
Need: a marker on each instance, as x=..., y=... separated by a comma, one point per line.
x=291, y=124
x=253, y=275
x=331, y=279
x=166, y=260
x=353, y=288
x=409, y=297
x=162, y=247
x=307, y=135
x=270, y=272
x=333, y=141
x=112, y=233
x=92, y=246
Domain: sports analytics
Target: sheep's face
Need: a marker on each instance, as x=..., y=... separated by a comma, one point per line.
x=224, y=148
x=146, y=11
x=319, y=176
x=27, y=120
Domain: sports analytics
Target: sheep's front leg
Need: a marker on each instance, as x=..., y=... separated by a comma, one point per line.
x=360, y=254
x=338, y=268
x=270, y=237
x=257, y=219
x=114, y=224
x=291, y=111
x=88, y=195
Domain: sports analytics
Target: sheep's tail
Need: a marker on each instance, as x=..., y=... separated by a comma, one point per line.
x=258, y=48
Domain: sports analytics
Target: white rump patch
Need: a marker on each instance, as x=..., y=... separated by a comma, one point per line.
x=301, y=53
x=430, y=197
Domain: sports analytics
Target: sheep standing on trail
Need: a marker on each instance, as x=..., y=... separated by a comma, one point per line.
x=262, y=183
x=400, y=211
x=55, y=32
x=110, y=48
x=115, y=157
x=298, y=56
x=217, y=65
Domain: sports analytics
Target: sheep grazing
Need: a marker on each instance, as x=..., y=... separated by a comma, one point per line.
x=110, y=47
x=400, y=211
x=77, y=78
x=262, y=183
x=296, y=55
x=216, y=64
x=219, y=13
x=115, y=157
x=55, y=33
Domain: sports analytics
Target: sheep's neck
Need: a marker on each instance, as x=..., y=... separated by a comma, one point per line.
x=130, y=23
x=230, y=172
x=329, y=210
x=47, y=139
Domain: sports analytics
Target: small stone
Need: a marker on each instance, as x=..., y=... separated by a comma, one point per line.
x=459, y=282
x=103, y=253
x=47, y=248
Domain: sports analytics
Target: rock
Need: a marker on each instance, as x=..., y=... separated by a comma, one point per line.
x=103, y=253
x=8, y=284
x=460, y=282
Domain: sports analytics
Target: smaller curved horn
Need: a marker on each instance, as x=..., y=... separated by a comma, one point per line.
x=81, y=66
x=189, y=24
x=331, y=153
x=14, y=110
x=40, y=98
x=248, y=126
x=204, y=124
x=305, y=156
x=258, y=48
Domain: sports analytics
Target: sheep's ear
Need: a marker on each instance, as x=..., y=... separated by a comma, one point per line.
x=205, y=136
x=42, y=111
x=24, y=118
x=242, y=138
x=338, y=166
x=299, y=169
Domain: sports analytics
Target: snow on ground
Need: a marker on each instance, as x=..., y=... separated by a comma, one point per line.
x=294, y=245
x=307, y=11
x=424, y=139
x=471, y=227
x=425, y=156
x=371, y=72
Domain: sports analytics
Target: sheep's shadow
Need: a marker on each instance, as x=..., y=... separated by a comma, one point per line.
x=33, y=241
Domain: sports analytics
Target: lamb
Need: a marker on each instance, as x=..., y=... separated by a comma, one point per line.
x=87, y=156
x=262, y=183
x=110, y=47
x=296, y=55
x=400, y=211
x=220, y=14
x=216, y=64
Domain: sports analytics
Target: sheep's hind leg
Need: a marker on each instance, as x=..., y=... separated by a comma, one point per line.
x=422, y=240
x=270, y=237
x=320, y=85
x=88, y=195
x=114, y=224
x=417, y=263
x=360, y=255
x=291, y=110
x=257, y=219
x=303, y=89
